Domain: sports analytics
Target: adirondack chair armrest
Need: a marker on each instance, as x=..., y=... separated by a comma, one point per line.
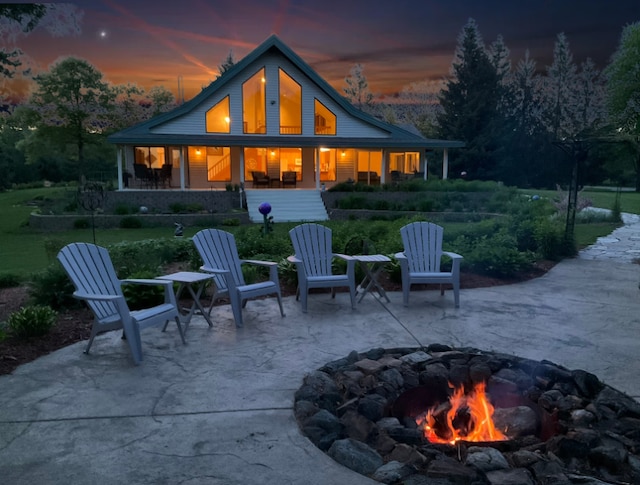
x=258, y=262
x=226, y=274
x=294, y=259
x=169, y=294
x=351, y=262
x=455, y=261
x=92, y=296
x=219, y=271
x=400, y=256
x=141, y=281
x=273, y=267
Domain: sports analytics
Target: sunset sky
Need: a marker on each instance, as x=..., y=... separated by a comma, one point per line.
x=398, y=42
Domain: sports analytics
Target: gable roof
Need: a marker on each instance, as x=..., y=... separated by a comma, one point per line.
x=399, y=137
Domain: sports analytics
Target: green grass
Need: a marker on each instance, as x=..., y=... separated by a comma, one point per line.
x=587, y=234
x=629, y=201
x=24, y=251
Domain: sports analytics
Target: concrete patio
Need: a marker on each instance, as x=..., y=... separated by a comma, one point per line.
x=219, y=410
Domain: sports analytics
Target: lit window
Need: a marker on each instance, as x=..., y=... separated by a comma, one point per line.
x=217, y=118
x=254, y=108
x=325, y=120
x=290, y=105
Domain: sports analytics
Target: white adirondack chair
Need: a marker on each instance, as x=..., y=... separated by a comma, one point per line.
x=421, y=258
x=95, y=280
x=314, y=259
x=219, y=254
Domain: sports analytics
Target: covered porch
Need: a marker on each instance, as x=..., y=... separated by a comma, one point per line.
x=202, y=166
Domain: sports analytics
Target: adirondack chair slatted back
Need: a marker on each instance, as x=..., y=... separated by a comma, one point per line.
x=312, y=245
x=422, y=246
x=92, y=272
x=218, y=250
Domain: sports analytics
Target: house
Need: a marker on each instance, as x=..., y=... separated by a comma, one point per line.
x=269, y=118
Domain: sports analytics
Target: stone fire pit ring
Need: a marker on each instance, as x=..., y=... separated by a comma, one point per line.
x=565, y=426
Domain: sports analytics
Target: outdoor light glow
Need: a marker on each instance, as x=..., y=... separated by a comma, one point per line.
x=227, y=119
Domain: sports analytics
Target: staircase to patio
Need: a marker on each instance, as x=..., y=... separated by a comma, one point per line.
x=287, y=205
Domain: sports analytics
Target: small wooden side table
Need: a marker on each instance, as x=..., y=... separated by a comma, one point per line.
x=371, y=264
x=188, y=280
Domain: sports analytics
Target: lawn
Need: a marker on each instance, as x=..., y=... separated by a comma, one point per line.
x=24, y=251
x=603, y=198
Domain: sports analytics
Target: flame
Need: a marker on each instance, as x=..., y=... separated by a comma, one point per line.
x=470, y=418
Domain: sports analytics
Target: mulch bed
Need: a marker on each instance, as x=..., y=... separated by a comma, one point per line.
x=75, y=325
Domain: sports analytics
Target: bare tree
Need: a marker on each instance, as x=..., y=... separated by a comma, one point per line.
x=357, y=90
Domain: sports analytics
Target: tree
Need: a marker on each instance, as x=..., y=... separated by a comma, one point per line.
x=357, y=90
x=18, y=20
x=162, y=100
x=470, y=103
x=417, y=105
x=227, y=64
x=623, y=91
x=526, y=145
x=73, y=101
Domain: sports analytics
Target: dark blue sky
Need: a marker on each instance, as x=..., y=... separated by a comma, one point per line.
x=398, y=42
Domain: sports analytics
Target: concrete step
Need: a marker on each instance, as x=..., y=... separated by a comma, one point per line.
x=287, y=205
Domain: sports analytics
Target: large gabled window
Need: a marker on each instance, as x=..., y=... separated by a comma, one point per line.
x=325, y=120
x=290, y=105
x=217, y=118
x=254, y=106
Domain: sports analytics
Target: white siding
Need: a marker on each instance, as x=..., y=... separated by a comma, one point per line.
x=347, y=126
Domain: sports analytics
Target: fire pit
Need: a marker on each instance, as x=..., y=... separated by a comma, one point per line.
x=447, y=415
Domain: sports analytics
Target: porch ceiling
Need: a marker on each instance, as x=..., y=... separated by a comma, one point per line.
x=283, y=141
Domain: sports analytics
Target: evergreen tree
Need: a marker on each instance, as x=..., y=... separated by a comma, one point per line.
x=470, y=103
x=623, y=92
x=227, y=64
x=527, y=141
x=559, y=95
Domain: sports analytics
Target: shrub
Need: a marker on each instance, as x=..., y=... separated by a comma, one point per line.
x=52, y=287
x=130, y=222
x=52, y=247
x=352, y=202
x=31, y=321
x=81, y=224
x=10, y=280
x=123, y=210
x=287, y=272
x=549, y=238
x=141, y=296
x=233, y=221
x=495, y=255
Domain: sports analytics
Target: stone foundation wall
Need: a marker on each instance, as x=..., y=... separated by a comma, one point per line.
x=44, y=223
x=160, y=201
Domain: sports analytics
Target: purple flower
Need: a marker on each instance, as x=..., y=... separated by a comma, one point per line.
x=264, y=208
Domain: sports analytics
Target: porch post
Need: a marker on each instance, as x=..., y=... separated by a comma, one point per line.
x=318, y=168
x=425, y=166
x=383, y=167
x=445, y=164
x=182, y=181
x=119, y=158
x=242, y=166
